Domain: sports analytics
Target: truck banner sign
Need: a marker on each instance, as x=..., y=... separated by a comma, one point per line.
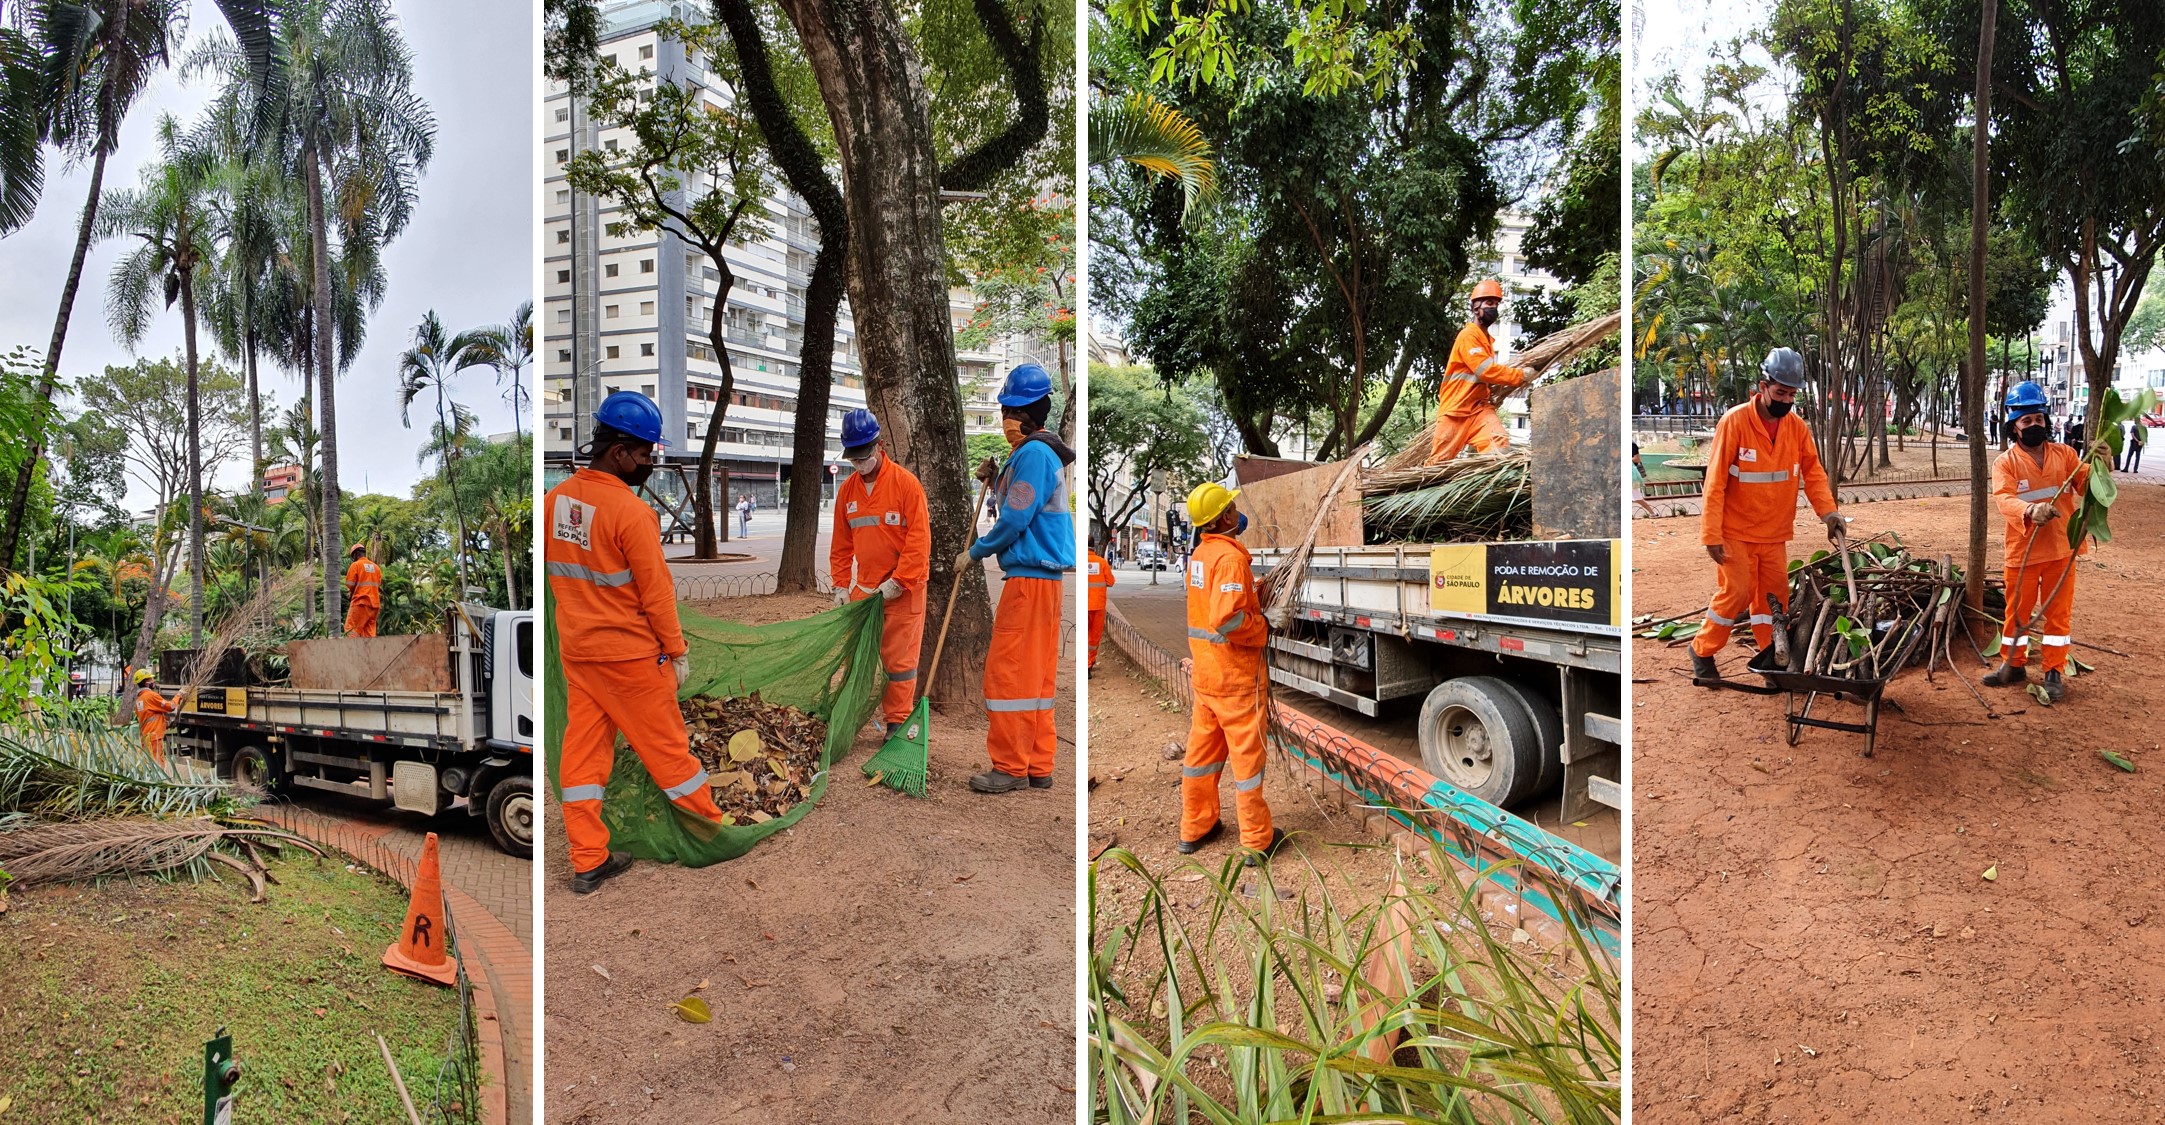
x=217, y=701
x=1560, y=580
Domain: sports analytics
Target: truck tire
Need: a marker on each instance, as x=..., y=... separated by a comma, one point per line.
x=1476, y=736
x=1548, y=727
x=251, y=768
x=511, y=815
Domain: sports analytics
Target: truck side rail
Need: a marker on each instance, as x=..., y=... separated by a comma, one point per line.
x=400, y=718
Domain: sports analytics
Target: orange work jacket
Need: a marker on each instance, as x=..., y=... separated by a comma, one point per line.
x=1471, y=370
x=615, y=598
x=1101, y=580
x=1751, y=480
x=364, y=580
x=2021, y=478
x=884, y=528
x=1226, y=630
x=151, y=710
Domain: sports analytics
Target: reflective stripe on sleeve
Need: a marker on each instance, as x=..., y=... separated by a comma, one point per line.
x=582, y=793
x=2036, y=494
x=588, y=574
x=1484, y=365
x=689, y=786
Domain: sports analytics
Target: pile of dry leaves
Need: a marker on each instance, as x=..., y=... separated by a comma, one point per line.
x=760, y=757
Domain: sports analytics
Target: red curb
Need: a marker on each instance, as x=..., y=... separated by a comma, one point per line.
x=477, y=931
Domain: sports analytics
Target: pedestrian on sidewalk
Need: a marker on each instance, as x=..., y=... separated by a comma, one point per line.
x=744, y=516
x=2134, y=446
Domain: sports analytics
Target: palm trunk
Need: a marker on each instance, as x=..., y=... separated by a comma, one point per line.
x=510, y=552
x=451, y=474
x=19, y=496
x=195, y=469
x=255, y=407
x=327, y=420
x=868, y=74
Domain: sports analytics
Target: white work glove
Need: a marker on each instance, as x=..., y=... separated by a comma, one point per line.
x=963, y=561
x=2039, y=512
x=841, y=595
x=683, y=665
x=890, y=589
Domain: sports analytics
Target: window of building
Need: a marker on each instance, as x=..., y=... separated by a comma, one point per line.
x=563, y=316
x=609, y=311
x=563, y=277
x=563, y=355
x=647, y=390
x=563, y=114
x=646, y=349
x=609, y=145
x=612, y=351
x=609, y=270
x=646, y=308
x=563, y=156
x=562, y=237
x=646, y=265
x=564, y=197
x=647, y=52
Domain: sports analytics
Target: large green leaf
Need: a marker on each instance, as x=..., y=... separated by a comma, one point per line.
x=2103, y=488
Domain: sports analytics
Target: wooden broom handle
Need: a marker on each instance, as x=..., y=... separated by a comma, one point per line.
x=940, y=645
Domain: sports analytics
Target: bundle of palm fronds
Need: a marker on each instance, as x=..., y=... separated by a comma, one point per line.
x=54, y=772
x=1542, y=360
x=1485, y=502
x=255, y=626
x=1385, y=481
x=127, y=846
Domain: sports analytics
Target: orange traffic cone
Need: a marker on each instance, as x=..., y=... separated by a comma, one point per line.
x=421, y=950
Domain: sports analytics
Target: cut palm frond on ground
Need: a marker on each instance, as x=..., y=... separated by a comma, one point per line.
x=131, y=846
x=51, y=772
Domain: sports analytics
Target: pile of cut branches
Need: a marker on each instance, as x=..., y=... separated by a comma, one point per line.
x=761, y=758
x=1864, y=612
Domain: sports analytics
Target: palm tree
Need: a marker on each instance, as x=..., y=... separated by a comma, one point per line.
x=98, y=55
x=252, y=209
x=1143, y=131
x=170, y=216
x=506, y=349
x=22, y=153
x=428, y=364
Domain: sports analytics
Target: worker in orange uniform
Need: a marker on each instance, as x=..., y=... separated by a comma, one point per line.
x=364, y=592
x=1761, y=453
x=1035, y=538
x=623, y=650
x=2037, y=484
x=151, y=710
x=1100, y=573
x=1465, y=410
x=1226, y=635
x=882, y=547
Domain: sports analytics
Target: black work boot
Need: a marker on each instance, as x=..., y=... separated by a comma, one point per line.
x=1277, y=837
x=587, y=882
x=993, y=781
x=2054, y=689
x=1704, y=668
x=1041, y=782
x=2006, y=675
x=1190, y=847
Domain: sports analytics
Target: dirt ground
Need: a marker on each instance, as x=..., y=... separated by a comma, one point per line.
x=1813, y=937
x=887, y=959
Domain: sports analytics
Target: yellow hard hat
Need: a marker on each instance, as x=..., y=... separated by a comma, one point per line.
x=1489, y=287
x=142, y=675
x=1208, y=502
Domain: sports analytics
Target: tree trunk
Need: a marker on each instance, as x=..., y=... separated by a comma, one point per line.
x=334, y=608
x=255, y=412
x=1973, y=580
x=195, y=468
x=869, y=77
x=510, y=551
x=451, y=476
x=19, y=498
x=704, y=545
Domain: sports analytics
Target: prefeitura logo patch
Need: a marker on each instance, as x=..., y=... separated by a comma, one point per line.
x=572, y=522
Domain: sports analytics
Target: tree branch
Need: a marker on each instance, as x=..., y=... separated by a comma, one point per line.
x=973, y=170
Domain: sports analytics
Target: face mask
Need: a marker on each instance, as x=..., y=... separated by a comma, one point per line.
x=1012, y=427
x=1486, y=315
x=637, y=475
x=2031, y=436
x=1241, y=522
x=867, y=466
x=1778, y=408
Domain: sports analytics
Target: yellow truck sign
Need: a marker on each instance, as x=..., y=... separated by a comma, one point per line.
x=1555, y=580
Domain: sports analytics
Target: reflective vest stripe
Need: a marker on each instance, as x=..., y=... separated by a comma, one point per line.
x=581, y=793
x=689, y=786
x=1775, y=477
x=588, y=574
x=865, y=521
x=2036, y=494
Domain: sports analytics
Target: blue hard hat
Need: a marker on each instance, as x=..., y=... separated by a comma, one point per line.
x=859, y=428
x=2026, y=398
x=1026, y=384
x=632, y=413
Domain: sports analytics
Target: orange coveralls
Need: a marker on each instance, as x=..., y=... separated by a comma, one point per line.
x=1750, y=509
x=1464, y=415
x=151, y=710
x=1101, y=580
x=616, y=626
x=2021, y=478
x=882, y=528
x=364, y=583
x=1226, y=635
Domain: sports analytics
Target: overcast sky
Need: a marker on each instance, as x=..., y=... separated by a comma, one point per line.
x=467, y=253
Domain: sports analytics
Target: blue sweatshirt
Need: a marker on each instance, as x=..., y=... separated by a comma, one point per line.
x=1034, y=535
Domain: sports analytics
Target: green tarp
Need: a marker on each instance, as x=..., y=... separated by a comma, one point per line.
x=826, y=665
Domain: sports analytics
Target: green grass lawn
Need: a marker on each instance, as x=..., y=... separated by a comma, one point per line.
x=107, y=994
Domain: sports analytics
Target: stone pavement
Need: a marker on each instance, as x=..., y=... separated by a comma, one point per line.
x=491, y=899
